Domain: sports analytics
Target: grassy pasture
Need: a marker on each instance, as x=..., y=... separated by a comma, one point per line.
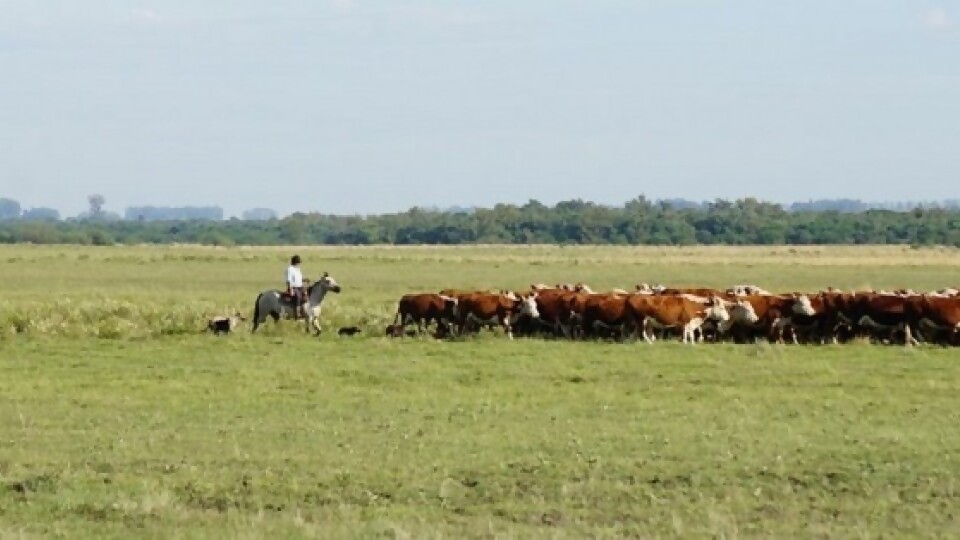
x=112, y=427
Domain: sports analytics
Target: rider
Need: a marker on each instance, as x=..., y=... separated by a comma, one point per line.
x=295, y=284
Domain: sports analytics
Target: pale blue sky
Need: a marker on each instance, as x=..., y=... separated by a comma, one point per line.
x=353, y=106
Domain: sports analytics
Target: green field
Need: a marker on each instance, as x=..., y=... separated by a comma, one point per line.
x=119, y=418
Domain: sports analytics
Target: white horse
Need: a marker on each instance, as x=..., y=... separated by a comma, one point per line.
x=275, y=304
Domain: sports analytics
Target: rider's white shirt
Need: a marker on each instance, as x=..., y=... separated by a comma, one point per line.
x=294, y=276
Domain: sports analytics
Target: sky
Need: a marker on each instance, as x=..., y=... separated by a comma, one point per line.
x=360, y=107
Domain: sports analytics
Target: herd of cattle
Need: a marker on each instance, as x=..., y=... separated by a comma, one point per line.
x=740, y=314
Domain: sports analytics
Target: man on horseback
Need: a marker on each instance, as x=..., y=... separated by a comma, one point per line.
x=295, y=285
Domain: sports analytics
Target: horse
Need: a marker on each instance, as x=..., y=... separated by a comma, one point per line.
x=275, y=304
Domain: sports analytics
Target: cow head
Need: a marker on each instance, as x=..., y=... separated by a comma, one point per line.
x=527, y=305
x=743, y=311
x=716, y=310
x=802, y=305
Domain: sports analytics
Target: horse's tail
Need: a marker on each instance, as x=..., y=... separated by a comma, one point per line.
x=256, y=312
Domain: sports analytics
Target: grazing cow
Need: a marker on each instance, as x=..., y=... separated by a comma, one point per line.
x=224, y=325
x=424, y=308
x=674, y=312
x=349, y=331
x=497, y=309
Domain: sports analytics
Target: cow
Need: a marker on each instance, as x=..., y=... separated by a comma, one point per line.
x=741, y=312
x=774, y=314
x=423, y=308
x=553, y=307
x=876, y=314
x=935, y=315
x=606, y=315
x=498, y=309
x=577, y=305
x=673, y=312
x=224, y=325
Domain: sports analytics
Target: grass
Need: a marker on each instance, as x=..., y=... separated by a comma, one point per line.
x=281, y=435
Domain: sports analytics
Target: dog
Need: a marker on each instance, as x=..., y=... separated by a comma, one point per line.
x=224, y=325
x=349, y=331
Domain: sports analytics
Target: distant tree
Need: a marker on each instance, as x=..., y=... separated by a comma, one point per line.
x=9, y=209
x=96, y=202
x=259, y=214
x=168, y=213
x=41, y=214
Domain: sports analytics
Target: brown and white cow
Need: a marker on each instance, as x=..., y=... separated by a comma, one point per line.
x=880, y=315
x=496, y=309
x=554, y=309
x=607, y=315
x=931, y=315
x=653, y=312
x=424, y=308
x=774, y=314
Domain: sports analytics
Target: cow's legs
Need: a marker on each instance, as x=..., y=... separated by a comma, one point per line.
x=908, y=338
x=647, y=328
x=689, y=333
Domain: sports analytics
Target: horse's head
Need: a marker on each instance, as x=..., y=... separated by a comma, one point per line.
x=327, y=282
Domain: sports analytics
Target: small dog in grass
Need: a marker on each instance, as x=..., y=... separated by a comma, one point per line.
x=224, y=325
x=349, y=331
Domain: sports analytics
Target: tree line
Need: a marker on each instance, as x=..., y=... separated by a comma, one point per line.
x=639, y=221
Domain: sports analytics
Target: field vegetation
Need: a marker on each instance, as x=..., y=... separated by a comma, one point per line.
x=121, y=418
